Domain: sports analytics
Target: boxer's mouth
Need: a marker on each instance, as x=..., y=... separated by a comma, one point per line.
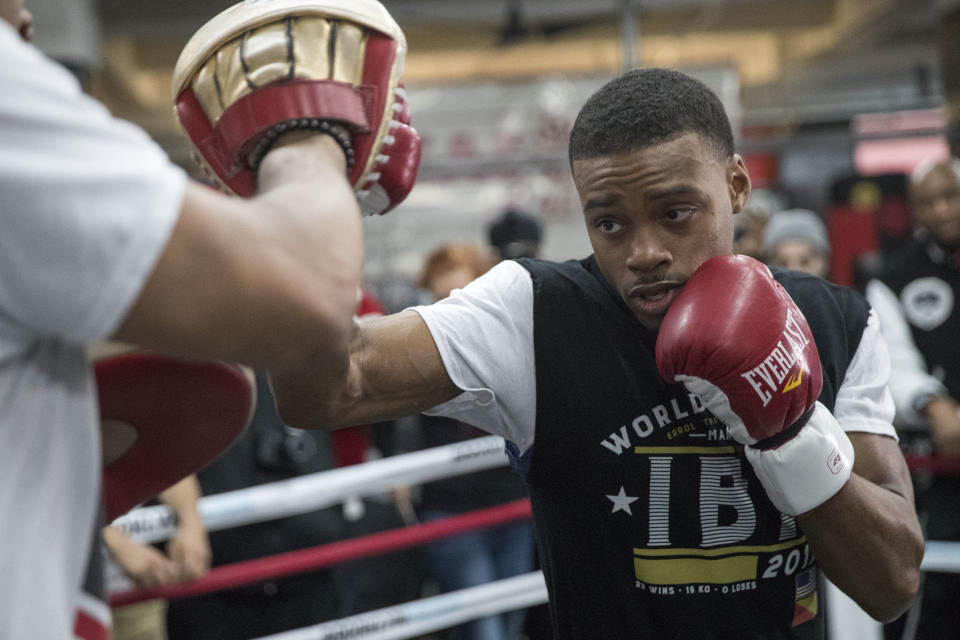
x=654, y=298
x=653, y=290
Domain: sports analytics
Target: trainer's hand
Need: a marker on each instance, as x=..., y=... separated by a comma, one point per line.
x=735, y=337
x=261, y=69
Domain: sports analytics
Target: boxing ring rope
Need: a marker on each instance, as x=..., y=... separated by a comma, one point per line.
x=324, y=489
x=319, y=490
x=934, y=464
x=430, y=614
x=316, y=491
x=313, y=558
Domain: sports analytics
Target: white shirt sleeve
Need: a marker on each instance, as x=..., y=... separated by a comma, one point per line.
x=863, y=401
x=908, y=377
x=484, y=333
x=88, y=203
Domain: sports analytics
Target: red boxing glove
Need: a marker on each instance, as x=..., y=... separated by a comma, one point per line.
x=735, y=337
x=735, y=327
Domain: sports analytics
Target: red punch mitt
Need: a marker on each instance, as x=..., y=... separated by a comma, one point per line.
x=261, y=68
x=163, y=419
x=735, y=337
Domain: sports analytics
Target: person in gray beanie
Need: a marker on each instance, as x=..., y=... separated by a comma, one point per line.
x=797, y=239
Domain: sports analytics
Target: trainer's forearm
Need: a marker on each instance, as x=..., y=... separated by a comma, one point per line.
x=270, y=281
x=305, y=193
x=305, y=199
x=868, y=542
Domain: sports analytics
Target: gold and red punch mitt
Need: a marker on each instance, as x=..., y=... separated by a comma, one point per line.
x=164, y=418
x=264, y=67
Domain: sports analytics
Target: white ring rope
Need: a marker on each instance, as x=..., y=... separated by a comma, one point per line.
x=447, y=610
x=318, y=490
x=941, y=556
x=430, y=614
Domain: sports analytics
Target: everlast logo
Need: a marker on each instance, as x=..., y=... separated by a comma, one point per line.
x=835, y=461
x=765, y=378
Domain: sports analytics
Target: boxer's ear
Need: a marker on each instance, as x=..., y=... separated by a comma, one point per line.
x=739, y=182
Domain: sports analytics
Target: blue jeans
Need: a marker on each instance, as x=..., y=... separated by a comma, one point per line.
x=478, y=557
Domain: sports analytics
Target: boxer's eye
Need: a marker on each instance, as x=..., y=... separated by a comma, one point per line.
x=608, y=226
x=680, y=214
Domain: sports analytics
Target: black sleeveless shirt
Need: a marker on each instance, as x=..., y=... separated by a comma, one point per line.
x=926, y=281
x=650, y=522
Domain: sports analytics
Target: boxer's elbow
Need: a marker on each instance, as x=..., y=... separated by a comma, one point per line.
x=901, y=590
x=889, y=597
x=316, y=394
x=305, y=408
x=893, y=604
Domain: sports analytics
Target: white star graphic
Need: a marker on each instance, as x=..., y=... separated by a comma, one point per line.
x=622, y=502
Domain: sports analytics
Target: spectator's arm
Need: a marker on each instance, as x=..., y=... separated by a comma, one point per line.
x=943, y=415
x=189, y=548
x=910, y=383
x=143, y=564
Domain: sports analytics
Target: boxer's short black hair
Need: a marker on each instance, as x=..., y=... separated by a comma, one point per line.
x=644, y=107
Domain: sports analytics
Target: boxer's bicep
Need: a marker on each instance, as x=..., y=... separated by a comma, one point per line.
x=395, y=370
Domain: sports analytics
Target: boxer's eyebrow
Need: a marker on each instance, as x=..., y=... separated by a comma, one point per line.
x=600, y=202
x=671, y=192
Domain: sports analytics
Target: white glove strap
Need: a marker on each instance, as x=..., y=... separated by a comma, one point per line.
x=807, y=470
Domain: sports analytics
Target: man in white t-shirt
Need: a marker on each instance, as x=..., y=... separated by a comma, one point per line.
x=103, y=238
x=640, y=391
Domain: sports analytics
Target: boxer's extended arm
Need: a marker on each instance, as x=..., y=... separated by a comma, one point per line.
x=395, y=371
x=866, y=538
x=271, y=281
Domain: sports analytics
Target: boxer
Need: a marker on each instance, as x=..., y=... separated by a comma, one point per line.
x=700, y=436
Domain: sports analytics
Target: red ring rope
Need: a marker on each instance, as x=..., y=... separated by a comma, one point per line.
x=935, y=464
x=303, y=560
